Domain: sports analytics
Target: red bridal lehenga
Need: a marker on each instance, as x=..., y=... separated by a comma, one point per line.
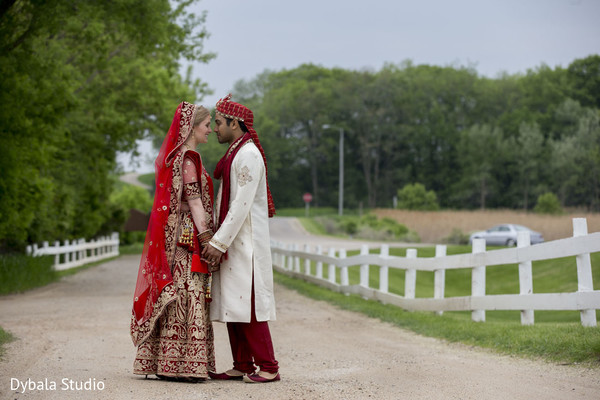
x=171, y=320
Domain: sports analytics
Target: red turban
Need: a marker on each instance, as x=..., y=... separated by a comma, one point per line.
x=232, y=110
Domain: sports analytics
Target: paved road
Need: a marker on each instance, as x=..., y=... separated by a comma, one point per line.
x=132, y=179
x=76, y=332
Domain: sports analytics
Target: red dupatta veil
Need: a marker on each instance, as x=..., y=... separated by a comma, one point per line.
x=154, y=271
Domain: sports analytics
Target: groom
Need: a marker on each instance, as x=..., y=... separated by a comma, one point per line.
x=242, y=289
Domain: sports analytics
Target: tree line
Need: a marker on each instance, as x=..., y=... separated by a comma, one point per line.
x=477, y=142
x=80, y=81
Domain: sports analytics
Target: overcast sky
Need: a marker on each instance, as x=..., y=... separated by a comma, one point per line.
x=492, y=36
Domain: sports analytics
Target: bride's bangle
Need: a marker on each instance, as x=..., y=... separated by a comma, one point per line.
x=205, y=236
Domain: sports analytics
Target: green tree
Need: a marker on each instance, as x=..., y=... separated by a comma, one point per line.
x=81, y=81
x=528, y=156
x=548, y=203
x=481, y=153
x=576, y=156
x=585, y=76
x=416, y=197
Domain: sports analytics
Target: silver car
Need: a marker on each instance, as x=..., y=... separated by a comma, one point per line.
x=505, y=235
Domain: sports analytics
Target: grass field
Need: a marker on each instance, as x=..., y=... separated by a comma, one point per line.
x=19, y=273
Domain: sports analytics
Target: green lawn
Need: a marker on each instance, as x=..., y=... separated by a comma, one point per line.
x=19, y=272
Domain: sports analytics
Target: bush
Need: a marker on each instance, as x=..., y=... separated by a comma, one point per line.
x=416, y=197
x=367, y=227
x=350, y=226
x=548, y=203
x=457, y=237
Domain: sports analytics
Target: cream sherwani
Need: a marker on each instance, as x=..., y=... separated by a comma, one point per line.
x=245, y=236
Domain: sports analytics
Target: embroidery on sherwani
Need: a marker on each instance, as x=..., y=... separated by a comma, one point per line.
x=222, y=246
x=244, y=176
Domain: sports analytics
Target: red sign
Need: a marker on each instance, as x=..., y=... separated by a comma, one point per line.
x=307, y=197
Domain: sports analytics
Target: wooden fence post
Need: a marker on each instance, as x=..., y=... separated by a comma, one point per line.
x=307, y=260
x=67, y=255
x=331, y=270
x=344, y=280
x=410, y=280
x=525, y=277
x=478, y=280
x=584, y=272
x=282, y=257
x=364, y=268
x=45, y=246
x=274, y=254
x=296, y=259
x=82, y=253
x=57, y=255
x=384, y=270
x=319, y=263
x=439, y=276
x=116, y=246
x=290, y=265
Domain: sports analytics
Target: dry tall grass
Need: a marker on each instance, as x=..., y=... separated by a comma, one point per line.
x=434, y=226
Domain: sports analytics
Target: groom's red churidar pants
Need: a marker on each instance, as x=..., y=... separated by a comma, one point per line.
x=251, y=344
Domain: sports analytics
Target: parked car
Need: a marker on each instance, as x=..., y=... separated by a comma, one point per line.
x=505, y=235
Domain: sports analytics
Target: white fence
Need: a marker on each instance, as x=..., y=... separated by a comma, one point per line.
x=585, y=299
x=78, y=252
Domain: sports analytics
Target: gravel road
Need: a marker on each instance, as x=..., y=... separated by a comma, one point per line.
x=73, y=343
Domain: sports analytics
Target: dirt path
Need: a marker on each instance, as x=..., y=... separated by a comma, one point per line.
x=78, y=330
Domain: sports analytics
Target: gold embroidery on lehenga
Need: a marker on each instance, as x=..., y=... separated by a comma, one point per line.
x=192, y=191
x=177, y=340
